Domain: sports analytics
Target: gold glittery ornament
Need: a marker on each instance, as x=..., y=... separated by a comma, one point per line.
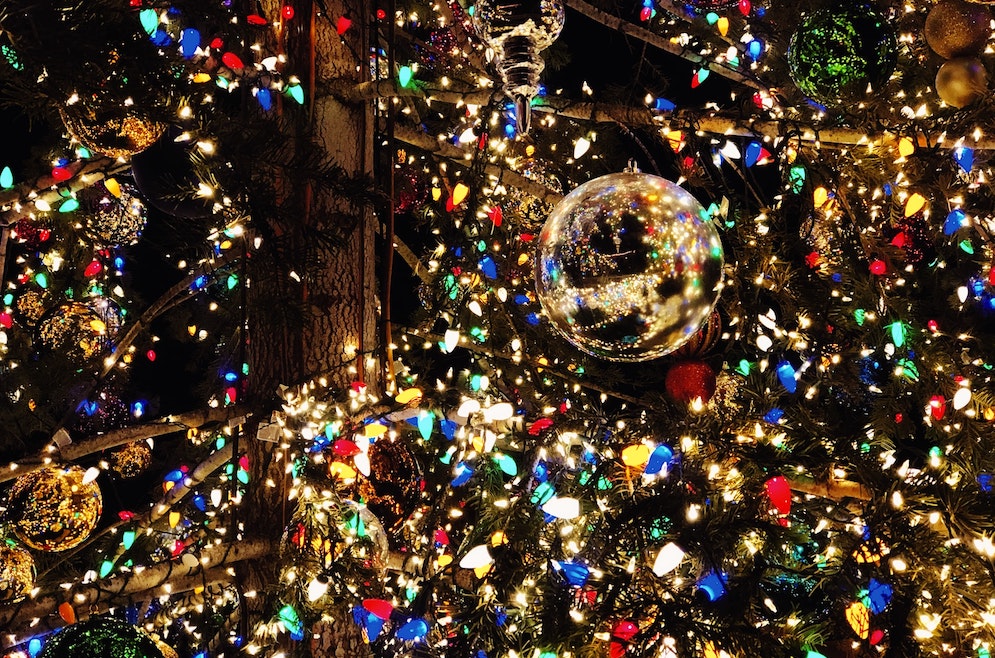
x=114, y=215
x=30, y=307
x=54, y=508
x=132, y=460
x=115, y=132
x=962, y=81
x=17, y=572
x=955, y=28
x=166, y=650
x=393, y=487
x=78, y=330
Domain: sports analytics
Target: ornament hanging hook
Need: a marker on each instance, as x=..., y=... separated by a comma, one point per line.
x=632, y=167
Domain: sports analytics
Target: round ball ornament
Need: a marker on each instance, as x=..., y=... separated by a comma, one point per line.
x=703, y=340
x=101, y=637
x=393, y=488
x=74, y=329
x=628, y=266
x=114, y=132
x=17, y=572
x=705, y=6
x=837, y=52
x=955, y=28
x=688, y=381
x=54, y=509
x=30, y=307
x=132, y=460
x=114, y=213
x=962, y=81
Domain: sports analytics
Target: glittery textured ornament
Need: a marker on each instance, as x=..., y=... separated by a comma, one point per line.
x=77, y=330
x=725, y=400
x=837, y=52
x=17, y=572
x=705, y=6
x=132, y=460
x=703, y=340
x=688, y=381
x=912, y=235
x=32, y=233
x=30, y=306
x=101, y=637
x=114, y=215
x=100, y=413
x=955, y=28
x=53, y=509
x=628, y=267
x=962, y=81
x=167, y=651
x=830, y=239
x=393, y=487
x=116, y=132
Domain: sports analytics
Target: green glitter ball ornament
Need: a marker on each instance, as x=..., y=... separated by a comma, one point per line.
x=836, y=53
x=101, y=637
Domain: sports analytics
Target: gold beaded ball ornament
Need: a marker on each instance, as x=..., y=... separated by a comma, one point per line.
x=955, y=28
x=75, y=329
x=17, y=572
x=114, y=132
x=132, y=460
x=55, y=508
x=962, y=81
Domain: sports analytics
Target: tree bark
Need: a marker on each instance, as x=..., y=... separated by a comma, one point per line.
x=332, y=333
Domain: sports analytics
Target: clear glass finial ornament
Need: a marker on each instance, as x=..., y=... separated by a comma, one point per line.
x=517, y=31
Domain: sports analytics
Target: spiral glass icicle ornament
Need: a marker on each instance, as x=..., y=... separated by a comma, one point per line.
x=517, y=31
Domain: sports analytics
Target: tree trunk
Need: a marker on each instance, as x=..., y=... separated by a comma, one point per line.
x=332, y=333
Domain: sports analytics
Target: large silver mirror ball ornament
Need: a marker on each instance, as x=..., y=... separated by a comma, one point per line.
x=628, y=267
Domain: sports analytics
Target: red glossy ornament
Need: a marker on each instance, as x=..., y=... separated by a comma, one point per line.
x=287, y=12
x=342, y=25
x=690, y=380
x=878, y=267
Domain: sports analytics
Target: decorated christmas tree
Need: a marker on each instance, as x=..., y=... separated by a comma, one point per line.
x=476, y=330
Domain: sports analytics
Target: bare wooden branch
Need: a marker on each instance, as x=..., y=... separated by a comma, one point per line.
x=836, y=490
x=84, y=174
x=658, y=41
x=409, y=257
x=450, y=152
x=166, y=576
x=119, y=437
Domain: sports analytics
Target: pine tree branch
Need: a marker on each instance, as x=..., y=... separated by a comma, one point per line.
x=119, y=437
x=165, y=302
x=658, y=41
x=508, y=356
x=213, y=564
